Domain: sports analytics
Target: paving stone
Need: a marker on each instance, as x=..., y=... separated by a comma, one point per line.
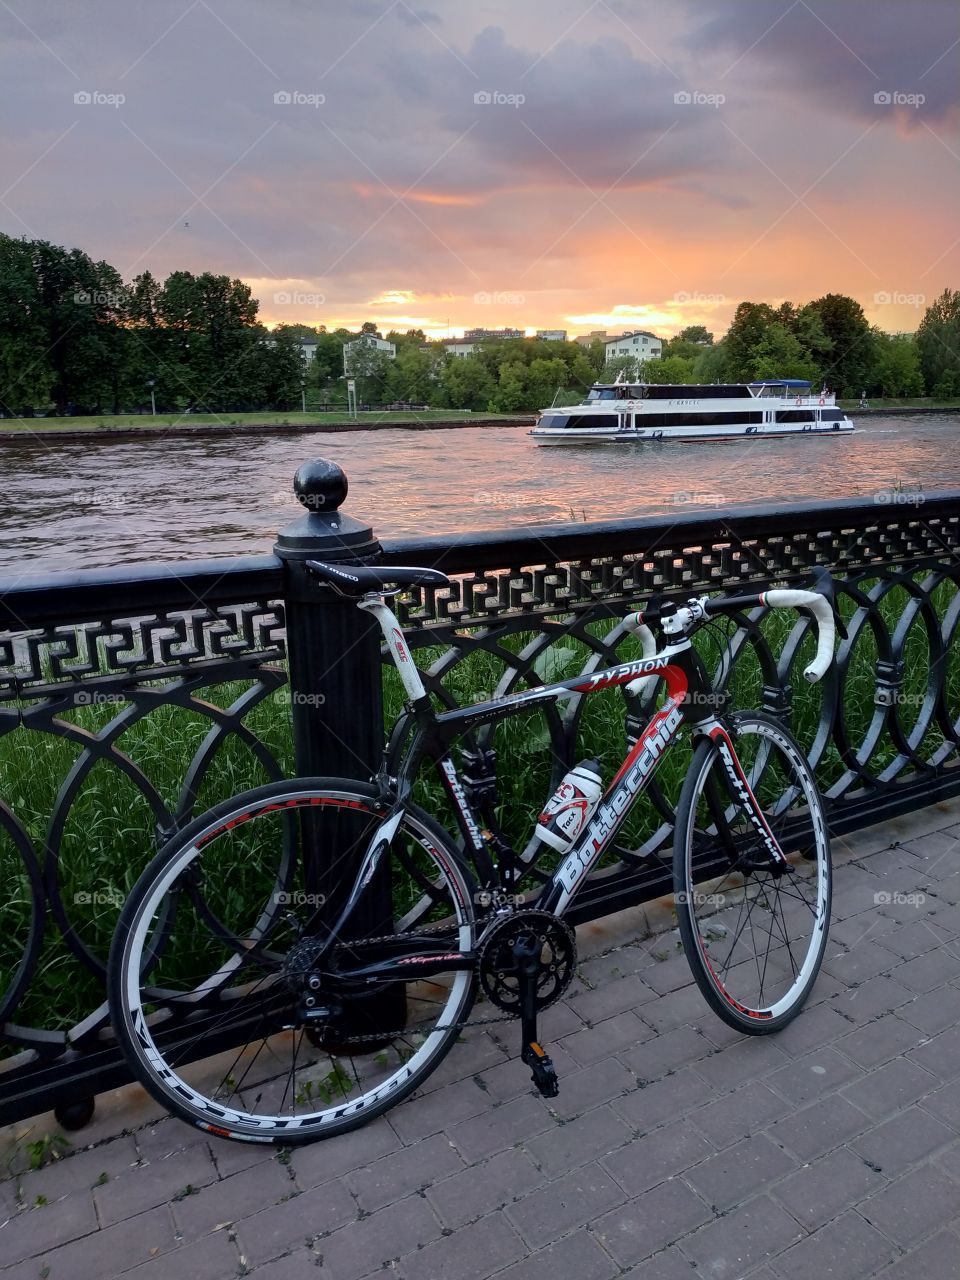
x=875, y=996
x=577, y=1198
x=657, y=1156
x=949, y=1159
x=748, y=1059
x=915, y=1205
x=234, y=1198
x=79, y=1172
x=613, y=996
x=168, y=1137
x=944, y=1104
x=679, y=1094
x=465, y=1060
x=618, y=963
x=482, y=1188
x=812, y=1076
x=935, y=1011
x=935, y=1259
x=374, y=1242
x=471, y=1254
x=864, y=961
x=686, y=1007
x=34, y=1230
x=930, y=971
x=653, y=1220
x=577, y=1255
x=875, y=1042
x=915, y=938
x=623, y=1031
x=671, y=973
x=818, y=1192
x=134, y=1240
x=890, y=1088
x=730, y=1176
x=427, y=1113
x=854, y=931
x=669, y=1264
x=816, y=1129
x=411, y=1169
x=323, y=1161
x=146, y=1186
x=814, y=1028
x=666, y=1052
x=728, y=1247
x=234, y=1157
x=594, y=1134
x=501, y=1127
x=736, y=1115
x=592, y=1086
x=301, y=1265
x=908, y=1137
x=939, y=1055
x=846, y=1249
x=265, y=1235
x=213, y=1257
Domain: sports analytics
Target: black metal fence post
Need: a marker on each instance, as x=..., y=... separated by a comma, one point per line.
x=333, y=649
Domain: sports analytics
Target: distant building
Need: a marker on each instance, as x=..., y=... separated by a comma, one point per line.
x=308, y=349
x=639, y=344
x=366, y=342
x=552, y=335
x=500, y=335
x=587, y=339
x=459, y=346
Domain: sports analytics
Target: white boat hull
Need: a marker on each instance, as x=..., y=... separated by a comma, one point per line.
x=692, y=435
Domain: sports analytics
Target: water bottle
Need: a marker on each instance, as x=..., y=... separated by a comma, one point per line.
x=569, y=809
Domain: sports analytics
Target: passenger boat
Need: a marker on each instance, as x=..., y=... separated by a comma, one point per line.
x=645, y=413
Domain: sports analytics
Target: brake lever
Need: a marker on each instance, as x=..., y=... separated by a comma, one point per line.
x=824, y=585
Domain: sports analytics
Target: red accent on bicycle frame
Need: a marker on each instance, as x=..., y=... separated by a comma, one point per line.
x=676, y=681
x=677, y=686
x=718, y=732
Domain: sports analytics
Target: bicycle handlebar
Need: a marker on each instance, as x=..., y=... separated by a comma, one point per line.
x=788, y=598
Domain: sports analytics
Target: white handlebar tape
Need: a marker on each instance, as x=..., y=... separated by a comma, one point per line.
x=788, y=598
x=635, y=623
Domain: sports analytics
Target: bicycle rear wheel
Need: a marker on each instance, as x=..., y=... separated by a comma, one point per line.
x=221, y=948
x=753, y=931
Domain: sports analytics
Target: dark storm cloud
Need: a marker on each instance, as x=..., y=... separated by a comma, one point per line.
x=844, y=52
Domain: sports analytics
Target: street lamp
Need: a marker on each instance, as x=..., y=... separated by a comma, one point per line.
x=151, y=383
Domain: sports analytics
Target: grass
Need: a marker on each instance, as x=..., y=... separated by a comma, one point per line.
x=893, y=402
x=110, y=829
x=288, y=418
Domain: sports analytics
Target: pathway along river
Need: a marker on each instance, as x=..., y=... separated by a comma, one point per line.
x=86, y=504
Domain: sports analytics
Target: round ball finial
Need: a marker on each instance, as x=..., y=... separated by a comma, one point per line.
x=320, y=485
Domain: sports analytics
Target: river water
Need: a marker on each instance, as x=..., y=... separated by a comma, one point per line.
x=73, y=505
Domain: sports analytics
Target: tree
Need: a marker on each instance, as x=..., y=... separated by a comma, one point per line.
x=411, y=377
x=669, y=369
x=896, y=367
x=750, y=323
x=850, y=356
x=510, y=393
x=697, y=333
x=26, y=373
x=938, y=342
x=466, y=383
x=780, y=354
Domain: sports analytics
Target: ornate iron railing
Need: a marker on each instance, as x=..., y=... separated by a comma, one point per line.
x=131, y=699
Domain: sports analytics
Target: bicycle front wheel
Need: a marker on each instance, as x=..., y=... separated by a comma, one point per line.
x=753, y=929
x=236, y=1007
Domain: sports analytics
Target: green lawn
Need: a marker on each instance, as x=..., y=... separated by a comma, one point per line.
x=291, y=418
x=890, y=402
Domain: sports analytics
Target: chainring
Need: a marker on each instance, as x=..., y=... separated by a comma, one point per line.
x=499, y=978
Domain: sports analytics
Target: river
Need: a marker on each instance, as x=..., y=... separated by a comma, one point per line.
x=98, y=502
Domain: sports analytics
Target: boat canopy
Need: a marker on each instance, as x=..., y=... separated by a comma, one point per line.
x=781, y=382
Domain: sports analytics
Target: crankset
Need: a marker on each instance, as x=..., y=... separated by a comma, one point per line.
x=525, y=963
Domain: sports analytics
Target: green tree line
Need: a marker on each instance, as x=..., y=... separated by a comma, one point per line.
x=76, y=338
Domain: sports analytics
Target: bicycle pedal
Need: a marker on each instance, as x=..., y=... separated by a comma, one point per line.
x=542, y=1071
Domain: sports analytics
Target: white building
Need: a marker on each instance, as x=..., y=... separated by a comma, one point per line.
x=459, y=346
x=552, y=335
x=639, y=344
x=353, y=350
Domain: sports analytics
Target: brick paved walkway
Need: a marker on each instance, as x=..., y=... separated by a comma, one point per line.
x=677, y=1149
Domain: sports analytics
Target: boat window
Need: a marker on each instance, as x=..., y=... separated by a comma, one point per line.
x=579, y=421
x=796, y=415
x=831, y=415
x=695, y=419
x=602, y=393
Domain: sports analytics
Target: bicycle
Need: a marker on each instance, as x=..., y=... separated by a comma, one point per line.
x=342, y=1005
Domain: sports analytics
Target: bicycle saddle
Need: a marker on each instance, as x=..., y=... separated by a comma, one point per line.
x=357, y=580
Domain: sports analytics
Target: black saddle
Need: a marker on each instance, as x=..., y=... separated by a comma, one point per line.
x=359, y=579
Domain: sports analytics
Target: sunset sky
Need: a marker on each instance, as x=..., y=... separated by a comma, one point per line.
x=636, y=164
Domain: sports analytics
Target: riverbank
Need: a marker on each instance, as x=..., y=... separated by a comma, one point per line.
x=899, y=408
x=134, y=426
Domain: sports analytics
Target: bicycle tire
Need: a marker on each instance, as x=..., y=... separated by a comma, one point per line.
x=754, y=938
x=200, y=951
